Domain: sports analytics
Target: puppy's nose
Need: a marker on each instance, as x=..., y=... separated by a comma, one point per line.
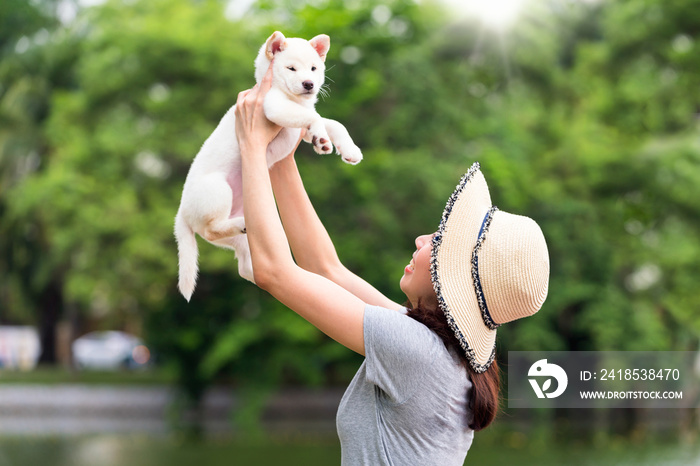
x=308, y=85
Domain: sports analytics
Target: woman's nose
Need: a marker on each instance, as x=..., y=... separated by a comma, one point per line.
x=421, y=240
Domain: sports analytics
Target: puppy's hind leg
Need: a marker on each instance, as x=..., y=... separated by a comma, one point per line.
x=217, y=229
x=245, y=261
x=239, y=243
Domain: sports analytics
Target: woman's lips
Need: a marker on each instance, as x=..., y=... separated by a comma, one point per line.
x=410, y=267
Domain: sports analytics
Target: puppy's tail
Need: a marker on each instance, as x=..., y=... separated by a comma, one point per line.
x=187, y=253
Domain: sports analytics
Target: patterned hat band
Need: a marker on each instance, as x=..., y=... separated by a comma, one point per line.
x=481, y=298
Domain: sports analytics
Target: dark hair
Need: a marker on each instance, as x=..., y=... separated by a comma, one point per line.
x=484, y=400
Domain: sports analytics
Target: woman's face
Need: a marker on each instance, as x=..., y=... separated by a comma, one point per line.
x=416, y=283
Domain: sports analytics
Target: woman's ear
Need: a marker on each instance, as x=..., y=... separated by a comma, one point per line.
x=321, y=43
x=275, y=43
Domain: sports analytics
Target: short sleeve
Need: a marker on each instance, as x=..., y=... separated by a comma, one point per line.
x=398, y=351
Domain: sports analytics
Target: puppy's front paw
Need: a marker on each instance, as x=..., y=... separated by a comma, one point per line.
x=319, y=139
x=350, y=154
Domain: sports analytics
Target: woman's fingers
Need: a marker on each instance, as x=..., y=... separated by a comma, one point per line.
x=266, y=82
x=243, y=94
x=252, y=126
x=254, y=96
x=243, y=104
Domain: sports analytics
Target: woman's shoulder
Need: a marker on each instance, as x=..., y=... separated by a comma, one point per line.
x=399, y=330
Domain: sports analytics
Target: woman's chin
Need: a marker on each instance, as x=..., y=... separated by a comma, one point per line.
x=403, y=290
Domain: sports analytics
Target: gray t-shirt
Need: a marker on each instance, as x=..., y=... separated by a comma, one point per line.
x=408, y=402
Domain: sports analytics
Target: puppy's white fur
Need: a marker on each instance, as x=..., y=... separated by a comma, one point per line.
x=212, y=203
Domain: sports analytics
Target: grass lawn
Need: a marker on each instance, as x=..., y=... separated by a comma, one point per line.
x=58, y=375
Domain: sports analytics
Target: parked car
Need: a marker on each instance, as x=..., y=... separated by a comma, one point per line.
x=19, y=347
x=110, y=350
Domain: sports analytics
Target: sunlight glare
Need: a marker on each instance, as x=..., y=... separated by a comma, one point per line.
x=497, y=14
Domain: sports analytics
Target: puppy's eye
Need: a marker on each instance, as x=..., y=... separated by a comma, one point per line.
x=291, y=68
x=313, y=68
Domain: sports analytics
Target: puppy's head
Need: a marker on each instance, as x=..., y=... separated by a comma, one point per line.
x=299, y=65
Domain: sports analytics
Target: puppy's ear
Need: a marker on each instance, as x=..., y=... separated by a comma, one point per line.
x=275, y=43
x=321, y=43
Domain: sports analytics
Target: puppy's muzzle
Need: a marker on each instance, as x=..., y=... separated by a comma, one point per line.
x=308, y=85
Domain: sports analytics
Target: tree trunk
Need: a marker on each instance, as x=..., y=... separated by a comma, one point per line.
x=50, y=310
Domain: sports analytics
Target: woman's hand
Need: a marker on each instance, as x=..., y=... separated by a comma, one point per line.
x=253, y=130
x=290, y=156
x=301, y=138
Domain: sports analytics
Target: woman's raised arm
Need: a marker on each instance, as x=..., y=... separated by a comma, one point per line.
x=312, y=246
x=328, y=306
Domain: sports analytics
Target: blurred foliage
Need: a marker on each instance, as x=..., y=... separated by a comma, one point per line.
x=583, y=116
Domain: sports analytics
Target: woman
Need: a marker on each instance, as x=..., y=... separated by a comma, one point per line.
x=429, y=378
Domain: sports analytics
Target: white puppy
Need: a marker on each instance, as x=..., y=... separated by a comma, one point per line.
x=212, y=203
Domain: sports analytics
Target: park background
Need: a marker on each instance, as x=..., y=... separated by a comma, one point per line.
x=584, y=115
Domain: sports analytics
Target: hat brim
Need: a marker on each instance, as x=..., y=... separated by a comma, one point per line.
x=450, y=268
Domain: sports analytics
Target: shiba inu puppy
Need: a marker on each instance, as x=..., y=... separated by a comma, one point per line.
x=212, y=203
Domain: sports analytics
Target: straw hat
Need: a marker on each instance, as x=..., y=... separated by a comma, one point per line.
x=488, y=267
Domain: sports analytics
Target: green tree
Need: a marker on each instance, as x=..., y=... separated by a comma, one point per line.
x=32, y=67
